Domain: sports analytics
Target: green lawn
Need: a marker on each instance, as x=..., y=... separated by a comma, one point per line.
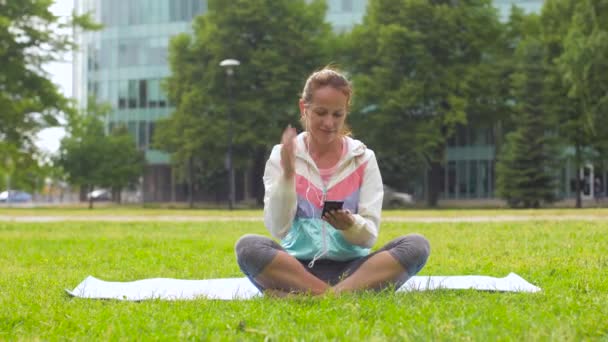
x=568, y=260
x=131, y=211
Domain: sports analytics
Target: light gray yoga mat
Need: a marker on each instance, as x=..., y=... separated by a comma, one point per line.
x=241, y=288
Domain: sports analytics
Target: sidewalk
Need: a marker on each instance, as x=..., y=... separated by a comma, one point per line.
x=184, y=218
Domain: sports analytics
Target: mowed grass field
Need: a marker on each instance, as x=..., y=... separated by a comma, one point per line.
x=567, y=259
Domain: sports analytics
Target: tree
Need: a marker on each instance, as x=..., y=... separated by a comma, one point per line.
x=577, y=44
x=525, y=166
x=123, y=164
x=278, y=42
x=19, y=169
x=412, y=65
x=91, y=158
x=31, y=36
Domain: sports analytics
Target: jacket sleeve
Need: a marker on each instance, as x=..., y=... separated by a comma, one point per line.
x=280, y=200
x=364, y=232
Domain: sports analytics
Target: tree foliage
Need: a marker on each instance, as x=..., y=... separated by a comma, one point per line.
x=91, y=158
x=278, y=43
x=525, y=167
x=576, y=40
x=30, y=37
x=414, y=64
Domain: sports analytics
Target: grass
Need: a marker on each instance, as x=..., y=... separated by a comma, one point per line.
x=568, y=260
x=133, y=211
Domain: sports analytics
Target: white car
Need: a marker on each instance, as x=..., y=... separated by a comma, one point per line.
x=99, y=195
x=396, y=199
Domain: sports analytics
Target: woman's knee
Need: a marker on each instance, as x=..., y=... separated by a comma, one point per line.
x=254, y=252
x=412, y=251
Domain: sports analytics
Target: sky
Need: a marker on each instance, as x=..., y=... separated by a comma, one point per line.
x=61, y=74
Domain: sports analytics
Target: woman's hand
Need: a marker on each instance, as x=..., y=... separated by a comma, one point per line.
x=340, y=219
x=288, y=152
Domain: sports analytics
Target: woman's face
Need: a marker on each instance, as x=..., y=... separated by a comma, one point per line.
x=325, y=115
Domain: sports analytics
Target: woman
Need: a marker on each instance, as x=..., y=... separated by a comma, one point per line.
x=330, y=253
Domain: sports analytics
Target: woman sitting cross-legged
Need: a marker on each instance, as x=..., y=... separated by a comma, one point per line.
x=329, y=253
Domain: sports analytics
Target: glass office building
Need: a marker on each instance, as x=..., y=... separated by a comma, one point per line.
x=124, y=63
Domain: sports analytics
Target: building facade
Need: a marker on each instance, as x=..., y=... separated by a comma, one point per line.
x=124, y=64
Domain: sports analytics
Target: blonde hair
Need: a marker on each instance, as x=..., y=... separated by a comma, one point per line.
x=328, y=76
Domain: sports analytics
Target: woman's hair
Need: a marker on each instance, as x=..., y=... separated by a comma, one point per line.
x=328, y=76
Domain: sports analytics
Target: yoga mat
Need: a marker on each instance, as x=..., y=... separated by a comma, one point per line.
x=242, y=288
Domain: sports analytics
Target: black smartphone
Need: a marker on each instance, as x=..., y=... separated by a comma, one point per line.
x=331, y=205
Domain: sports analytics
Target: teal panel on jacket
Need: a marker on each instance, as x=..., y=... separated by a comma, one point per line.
x=305, y=240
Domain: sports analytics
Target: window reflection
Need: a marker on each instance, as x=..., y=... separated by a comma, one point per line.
x=116, y=13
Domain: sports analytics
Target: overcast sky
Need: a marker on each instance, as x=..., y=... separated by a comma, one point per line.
x=61, y=74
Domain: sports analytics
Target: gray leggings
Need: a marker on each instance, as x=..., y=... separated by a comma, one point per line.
x=255, y=252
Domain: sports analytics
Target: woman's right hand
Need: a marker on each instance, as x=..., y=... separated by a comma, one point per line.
x=288, y=152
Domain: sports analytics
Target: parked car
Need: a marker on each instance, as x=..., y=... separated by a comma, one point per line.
x=396, y=199
x=15, y=196
x=100, y=195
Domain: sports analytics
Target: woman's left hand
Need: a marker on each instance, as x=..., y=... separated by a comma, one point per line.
x=340, y=219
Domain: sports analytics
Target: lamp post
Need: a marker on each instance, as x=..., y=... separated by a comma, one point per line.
x=230, y=65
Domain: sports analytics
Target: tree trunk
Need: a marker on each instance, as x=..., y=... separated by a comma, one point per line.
x=83, y=191
x=119, y=195
x=191, y=183
x=90, y=197
x=577, y=183
x=433, y=184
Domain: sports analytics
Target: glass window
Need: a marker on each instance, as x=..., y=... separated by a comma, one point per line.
x=484, y=175
x=151, y=130
x=133, y=93
x=492, y=175
x=105, y=55
x=473, y=179
x=123, y=92
x=461, y=136
x=451, y=179
x=174, y=10
x=142, y=142
x=132, y=128
x=461, y=174
x=442, y=189
x=154, y=93
x=143, y=93
x=129, y=51
x=199, y=7
x=92, y=58
x=106, y=12
x=122, y=12
x=122, y=54
x=104, y=91
x=133, y=12
x=347, y=5
x=157, y=51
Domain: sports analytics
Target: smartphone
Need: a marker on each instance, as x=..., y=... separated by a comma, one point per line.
x=331, y=205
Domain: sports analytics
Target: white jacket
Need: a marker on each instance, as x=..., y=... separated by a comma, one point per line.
x=292, y=208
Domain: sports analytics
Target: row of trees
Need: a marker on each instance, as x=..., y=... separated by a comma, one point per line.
x=560, y=91
x=420, y=69
x=30, y=38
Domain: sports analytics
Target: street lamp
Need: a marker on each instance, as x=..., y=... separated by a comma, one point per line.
x=230, y=65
